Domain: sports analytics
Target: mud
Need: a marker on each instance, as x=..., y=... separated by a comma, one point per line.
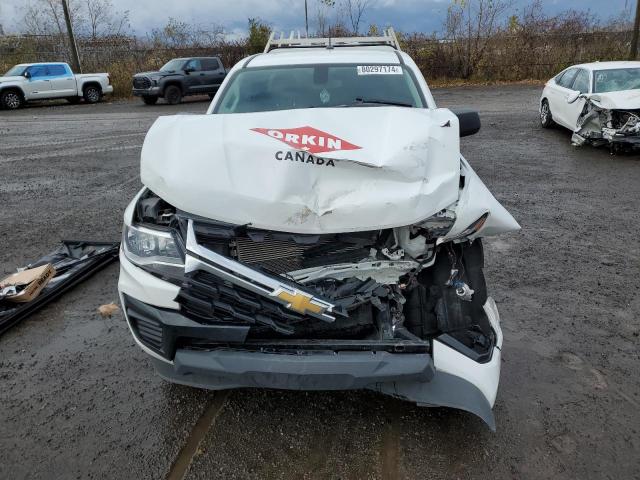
x=79, y=399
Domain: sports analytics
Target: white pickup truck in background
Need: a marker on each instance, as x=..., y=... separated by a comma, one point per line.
x=43, y=81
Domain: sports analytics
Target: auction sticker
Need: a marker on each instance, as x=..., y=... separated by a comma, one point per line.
x=379, y=70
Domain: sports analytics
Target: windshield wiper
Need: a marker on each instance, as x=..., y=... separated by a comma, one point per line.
x=381, y=102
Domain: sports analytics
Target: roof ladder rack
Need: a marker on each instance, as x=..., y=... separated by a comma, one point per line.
x=294, y=40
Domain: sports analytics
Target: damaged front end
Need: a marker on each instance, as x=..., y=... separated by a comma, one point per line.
x=293, y=251
x=254, y=307
x=614, y=127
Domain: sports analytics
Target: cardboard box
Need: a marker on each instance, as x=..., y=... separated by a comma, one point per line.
x=32, y=282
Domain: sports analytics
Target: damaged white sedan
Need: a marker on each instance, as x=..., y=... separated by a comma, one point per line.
x=317, y=229
x=599, y=102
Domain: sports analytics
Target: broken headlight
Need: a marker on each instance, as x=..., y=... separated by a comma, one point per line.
x=439, y=224
x=155, y=249
x=473, y=228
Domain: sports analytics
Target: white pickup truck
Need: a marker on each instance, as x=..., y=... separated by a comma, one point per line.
x=43, y=81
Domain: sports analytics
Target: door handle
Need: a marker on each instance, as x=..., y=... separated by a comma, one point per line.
x=202, y=74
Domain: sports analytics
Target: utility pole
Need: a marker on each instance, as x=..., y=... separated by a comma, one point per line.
x=72, y=38
x=633, y=53
x=306, y=17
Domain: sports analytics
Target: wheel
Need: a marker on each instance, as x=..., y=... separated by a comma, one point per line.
x=546, y=119
x=173, y=95
x=150, y=99
x=73, y=100
x=11, y=100
x=92, y=94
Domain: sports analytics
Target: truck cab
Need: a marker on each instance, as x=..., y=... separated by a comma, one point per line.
x=44, y=81
x=178, y=78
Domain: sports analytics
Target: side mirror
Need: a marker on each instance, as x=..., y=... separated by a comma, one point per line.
x=573, y=96
x=469, y=121
x=188, y=70
x=27, y=74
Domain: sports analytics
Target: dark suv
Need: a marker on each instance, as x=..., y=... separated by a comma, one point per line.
x=180, y=77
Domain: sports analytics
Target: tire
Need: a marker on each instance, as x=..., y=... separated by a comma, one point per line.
x=11, y=99
x=173, y=95
x=73, y=100
x=546, y=118
x=150, y=99
x=92, y=94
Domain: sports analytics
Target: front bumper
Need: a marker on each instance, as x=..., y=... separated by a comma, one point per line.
x=410, y=377
x=146, y=92
x=220, y=358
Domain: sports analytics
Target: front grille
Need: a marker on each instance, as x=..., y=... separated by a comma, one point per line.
x=208, y=299
x=148, y=330
x=141, y=82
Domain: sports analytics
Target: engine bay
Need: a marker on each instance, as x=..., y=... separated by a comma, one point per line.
x=391, y=289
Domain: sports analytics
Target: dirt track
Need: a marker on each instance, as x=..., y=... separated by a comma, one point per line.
x=79, y=399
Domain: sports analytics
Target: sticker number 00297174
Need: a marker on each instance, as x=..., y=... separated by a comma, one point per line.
x=379, y=70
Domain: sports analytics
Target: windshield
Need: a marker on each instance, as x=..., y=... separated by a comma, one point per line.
x=16, y=71
x=616, y=80
x=173, y=65
x=319, y=86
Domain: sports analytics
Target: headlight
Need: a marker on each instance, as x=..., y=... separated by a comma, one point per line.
x=472, y=229
x=439, y=224
x=156, y=248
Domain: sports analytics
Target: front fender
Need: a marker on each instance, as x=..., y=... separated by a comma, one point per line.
x=475, y=200
x=163, y=83
x=13, y=86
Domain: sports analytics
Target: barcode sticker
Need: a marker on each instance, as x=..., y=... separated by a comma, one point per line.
x=379, y=70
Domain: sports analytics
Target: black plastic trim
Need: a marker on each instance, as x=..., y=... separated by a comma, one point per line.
x=460, y=347
x=176, y=326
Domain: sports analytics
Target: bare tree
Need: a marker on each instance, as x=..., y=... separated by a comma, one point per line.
x=45, y=17
x=181, y=34
x=323, y=8
x=354, y=10
x=471, y=25
x=103, y=19
x=92, y=18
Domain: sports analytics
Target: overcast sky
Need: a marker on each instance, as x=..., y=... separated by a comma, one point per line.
x=406, y=15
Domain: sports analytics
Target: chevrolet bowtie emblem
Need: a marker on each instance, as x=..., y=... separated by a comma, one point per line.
x=298, y=302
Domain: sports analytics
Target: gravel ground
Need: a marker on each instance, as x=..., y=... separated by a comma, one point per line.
x=79, y=399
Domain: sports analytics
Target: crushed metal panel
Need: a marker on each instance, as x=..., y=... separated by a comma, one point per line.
x=611, y=118
x=300, y=171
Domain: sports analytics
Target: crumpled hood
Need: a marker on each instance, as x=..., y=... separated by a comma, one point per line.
x=622, y=100
x=307, y=171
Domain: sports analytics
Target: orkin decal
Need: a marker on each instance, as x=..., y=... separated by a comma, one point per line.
x=308, y=139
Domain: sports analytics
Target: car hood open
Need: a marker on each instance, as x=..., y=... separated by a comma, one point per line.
x=307, y=171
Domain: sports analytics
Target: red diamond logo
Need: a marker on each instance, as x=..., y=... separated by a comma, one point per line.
x=308, y=139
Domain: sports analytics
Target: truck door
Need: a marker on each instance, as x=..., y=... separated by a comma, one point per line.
x=194, y=76
x=63, y=82
x=39, y=85
x=213, y=73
